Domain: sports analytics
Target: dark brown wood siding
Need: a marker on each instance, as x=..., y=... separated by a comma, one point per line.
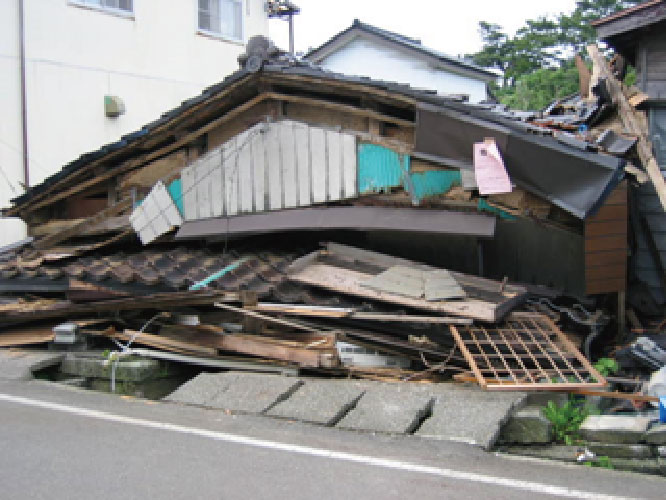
x=606, y=245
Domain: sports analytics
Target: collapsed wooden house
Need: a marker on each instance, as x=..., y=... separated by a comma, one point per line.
x=226, y=198
x=283, y=146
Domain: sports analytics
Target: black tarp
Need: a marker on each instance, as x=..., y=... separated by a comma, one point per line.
x=577, y=181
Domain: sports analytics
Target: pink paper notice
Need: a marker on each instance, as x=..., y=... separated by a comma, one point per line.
x=491, y=175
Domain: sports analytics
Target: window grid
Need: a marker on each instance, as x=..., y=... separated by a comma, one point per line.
x=221, y=17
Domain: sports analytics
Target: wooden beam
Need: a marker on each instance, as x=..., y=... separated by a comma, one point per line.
x=269, y=319
x=633, y=121
x=341, y=312
x=112, y=224
x=98, y=218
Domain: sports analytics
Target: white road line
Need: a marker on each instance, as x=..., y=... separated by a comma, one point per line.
x=317, y=452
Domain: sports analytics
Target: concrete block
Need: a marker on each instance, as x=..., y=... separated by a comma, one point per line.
x=252, y=392
x=645, y=466
x=614, y=428
x=20, y=364
x=553, y=452
x=321, y=401
x=661, y=451
x=473, y=417
x=633, y=451
x=94, y=366
x=527, y=425
x=656, y=435
x=394, y=408
x=542, y=398
x=198, y=390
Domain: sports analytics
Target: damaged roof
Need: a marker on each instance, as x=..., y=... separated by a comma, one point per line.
x=490, y=117
x=149, y=270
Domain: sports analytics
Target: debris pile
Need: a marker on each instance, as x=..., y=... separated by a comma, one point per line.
x=186, y=238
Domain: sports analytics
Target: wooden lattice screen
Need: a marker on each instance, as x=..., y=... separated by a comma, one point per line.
x=527, y=352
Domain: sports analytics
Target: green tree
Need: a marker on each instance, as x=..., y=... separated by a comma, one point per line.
x=537, y=62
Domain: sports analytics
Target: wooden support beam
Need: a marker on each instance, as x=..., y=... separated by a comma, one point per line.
x=98, y=218
x=634, y=122
x=343, y=312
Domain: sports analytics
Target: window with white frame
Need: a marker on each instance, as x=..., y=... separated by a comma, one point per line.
x=222, y=17
x=120, y=5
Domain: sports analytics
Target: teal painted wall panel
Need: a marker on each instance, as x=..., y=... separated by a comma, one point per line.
x=433, y=182
x=379, y=168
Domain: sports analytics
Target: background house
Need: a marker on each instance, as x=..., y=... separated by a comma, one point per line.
x=639, y=34
x=366, y=50
x=80, y=55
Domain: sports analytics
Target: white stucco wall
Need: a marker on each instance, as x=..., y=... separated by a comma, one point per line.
x=153, y=60
x=380, y=61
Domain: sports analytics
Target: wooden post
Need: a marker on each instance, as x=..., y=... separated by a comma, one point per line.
x=633, y=121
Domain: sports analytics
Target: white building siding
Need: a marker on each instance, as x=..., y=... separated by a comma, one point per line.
x=152, y=60
x=271, y=166
x=376, y=60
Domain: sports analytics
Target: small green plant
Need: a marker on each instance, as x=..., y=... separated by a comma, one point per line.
x=106, y=353
x=607, y=366
x=566, y=419
x=602, y=461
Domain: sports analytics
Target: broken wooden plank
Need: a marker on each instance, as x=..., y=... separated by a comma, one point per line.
x=263, y=317
x=349, y=282
x=26, y=335
x=158, y=301
x=633, y=121
x=100, y=217
x=209, y=336
x=350, y=313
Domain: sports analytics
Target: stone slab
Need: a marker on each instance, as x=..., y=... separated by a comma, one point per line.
x=392, y=408
x=553, y=452
x=527, y=426
x=615, y=429
x=20, y=364
x=198, y=390
x=96, y=366
x=322, y=402
x=468, y=416
x=632, y=451
x=543, y=397
x=252, y=392
x=645, y=465
x=656, y=435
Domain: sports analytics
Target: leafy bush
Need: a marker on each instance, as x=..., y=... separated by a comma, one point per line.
x=566, y=419
x=601, y=461
x=607, y=366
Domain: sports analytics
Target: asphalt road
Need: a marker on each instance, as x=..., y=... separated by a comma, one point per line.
x=65, y=443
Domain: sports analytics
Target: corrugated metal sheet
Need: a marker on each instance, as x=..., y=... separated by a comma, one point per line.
x=380, y=169
x=271, y=166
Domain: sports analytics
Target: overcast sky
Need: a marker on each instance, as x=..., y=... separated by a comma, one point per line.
x=445, y=25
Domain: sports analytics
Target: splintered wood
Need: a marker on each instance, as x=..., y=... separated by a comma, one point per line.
x=526, y=352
